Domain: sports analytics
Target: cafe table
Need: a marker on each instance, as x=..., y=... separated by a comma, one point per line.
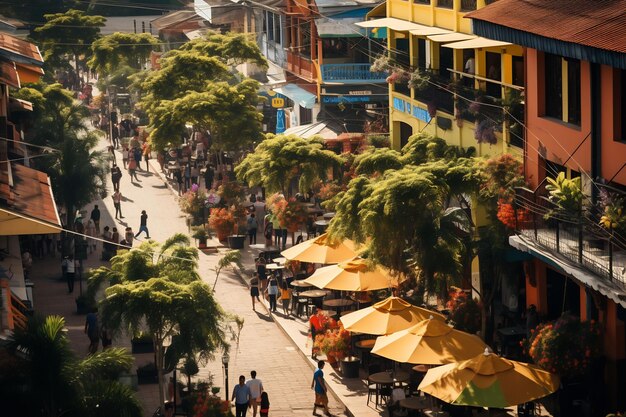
x=384, y=379
x=300, y=284
x=273, y=267
x=338, y=303
x=314, y=295
x=415, y=403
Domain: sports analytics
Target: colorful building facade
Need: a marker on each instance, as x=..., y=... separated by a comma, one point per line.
x=575, y=99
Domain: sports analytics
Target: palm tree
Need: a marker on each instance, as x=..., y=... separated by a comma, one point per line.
x=53, y=382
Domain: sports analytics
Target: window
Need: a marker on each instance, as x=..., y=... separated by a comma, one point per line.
x=421, y=53
x=494, y=72
x=518, y=70
x=553, y=72
x=619, y=104
x=562, y=73
x=573, y=91
x=335, y=47
x=270, y=26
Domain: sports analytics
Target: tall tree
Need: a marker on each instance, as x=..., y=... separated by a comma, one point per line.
x=117, y=49
x=70, y=33
x=52, y=382
x=279, y=159
x=167, y=310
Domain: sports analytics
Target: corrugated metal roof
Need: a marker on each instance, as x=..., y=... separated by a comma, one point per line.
x=598, y=23
x=19, y=50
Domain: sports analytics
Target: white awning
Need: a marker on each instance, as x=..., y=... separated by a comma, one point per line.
x=391, y=23
x=299, y=95
x=451, y=37
x=429, y=30
x=476, y=43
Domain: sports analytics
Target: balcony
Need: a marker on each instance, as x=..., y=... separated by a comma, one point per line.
x=351, y=74
x=301, y=66
x=582, y=242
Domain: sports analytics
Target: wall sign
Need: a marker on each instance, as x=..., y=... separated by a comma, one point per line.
x=415, y=111
x=278, y=102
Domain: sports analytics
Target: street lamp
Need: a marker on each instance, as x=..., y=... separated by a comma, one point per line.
x=225, y=359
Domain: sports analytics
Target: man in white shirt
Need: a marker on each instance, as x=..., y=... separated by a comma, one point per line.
x=256, y=388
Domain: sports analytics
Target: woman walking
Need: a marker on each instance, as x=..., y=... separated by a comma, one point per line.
x=254, y=290
x=132, y=167
x=285, y=296
x=272, y=292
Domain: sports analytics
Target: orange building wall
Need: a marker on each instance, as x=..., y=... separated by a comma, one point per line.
x=613, y=153
x=553, y=138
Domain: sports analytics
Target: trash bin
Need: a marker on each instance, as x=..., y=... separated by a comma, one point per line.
x=350, y=367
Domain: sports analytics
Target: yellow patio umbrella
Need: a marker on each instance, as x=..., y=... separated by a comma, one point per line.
x=387, y=316
x=356, y=274
x=321, y=250
x=429, y=342
x=488, y=380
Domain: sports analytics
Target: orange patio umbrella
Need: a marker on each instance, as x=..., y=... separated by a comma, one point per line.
x=387, y=316
x=429, y=342
x=356, y=274
x=322, y=251
x=488, y=380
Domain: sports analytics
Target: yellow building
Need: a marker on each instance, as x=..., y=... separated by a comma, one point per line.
x=433, y=36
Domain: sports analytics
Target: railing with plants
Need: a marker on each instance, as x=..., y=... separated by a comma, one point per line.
x=559, y=217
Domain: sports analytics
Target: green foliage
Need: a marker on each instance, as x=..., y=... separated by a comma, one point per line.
x=233, y=48
x=377, y=161
x=280, y=158
x=378, y=141
x=567, y=195
x=56, y=383
x=232, y=258
x=117, y=49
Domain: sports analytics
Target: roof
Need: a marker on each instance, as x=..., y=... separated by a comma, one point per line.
x=26, y=192
x=19, y=50
x=8, y=74
x=598, y=24
x=173, y=18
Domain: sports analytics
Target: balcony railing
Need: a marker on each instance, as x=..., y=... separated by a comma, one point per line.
x=300, y=65
x=351, y=74
x=579, y=240
x=445, y=4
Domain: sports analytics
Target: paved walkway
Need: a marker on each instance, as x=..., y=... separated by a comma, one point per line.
x=285, y=371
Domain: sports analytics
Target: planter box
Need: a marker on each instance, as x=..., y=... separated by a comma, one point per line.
x=142, y=346
x=236, y=241
x=350, y=367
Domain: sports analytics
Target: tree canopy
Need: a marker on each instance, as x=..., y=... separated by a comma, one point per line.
x=39, y=375
x=279, y=159
x=121, y=49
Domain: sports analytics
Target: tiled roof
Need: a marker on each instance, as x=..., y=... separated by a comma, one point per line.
x=30, y=194
x=8, y=74
x=599, y=23
x=19, y=50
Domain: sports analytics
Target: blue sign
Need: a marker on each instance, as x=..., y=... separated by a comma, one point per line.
x=345, y=99
x=415, y=111
x=280, y=121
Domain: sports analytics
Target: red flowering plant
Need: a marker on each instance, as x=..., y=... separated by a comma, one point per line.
x=334, y=340
x=464, y=311
x=211, y=406
x=566, y=346
x=506, y=214
x=290, y=214
x=222, y=221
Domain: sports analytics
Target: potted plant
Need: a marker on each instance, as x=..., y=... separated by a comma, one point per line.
x=201, y=234
x=567, y=196
x=142, y=343
x=291, y=214
x=222, y=221
x=334, y=342
x=612, y=209
x=193, y=203
x=147, y=374
x=465, y=312
x=209, y=405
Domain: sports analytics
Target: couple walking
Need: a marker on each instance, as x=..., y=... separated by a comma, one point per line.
x=250, y=395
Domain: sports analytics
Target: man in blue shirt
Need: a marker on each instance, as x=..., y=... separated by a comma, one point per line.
x=241, y=396
x=321, y=396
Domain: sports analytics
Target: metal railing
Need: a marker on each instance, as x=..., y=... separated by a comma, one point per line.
x=351, y=73
x=579, y=239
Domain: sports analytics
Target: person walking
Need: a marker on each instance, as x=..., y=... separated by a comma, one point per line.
x=253, y=225
x=146, y=155
x=321, y=391
x=195, y=173
x=256, y=388
x=265, y=404
x=208, y=177
x=116, y=176
x=285, y=296
x=92, y=330
x=90, y=230
x=187, y=175
x=69, y=265
x=143, y=225
x=117, y=203
x=272, y=292
x=241, y=396
x=132, y=167
x=95, y=216
x=129, y=236
x=254, y=290
x=125, y=155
